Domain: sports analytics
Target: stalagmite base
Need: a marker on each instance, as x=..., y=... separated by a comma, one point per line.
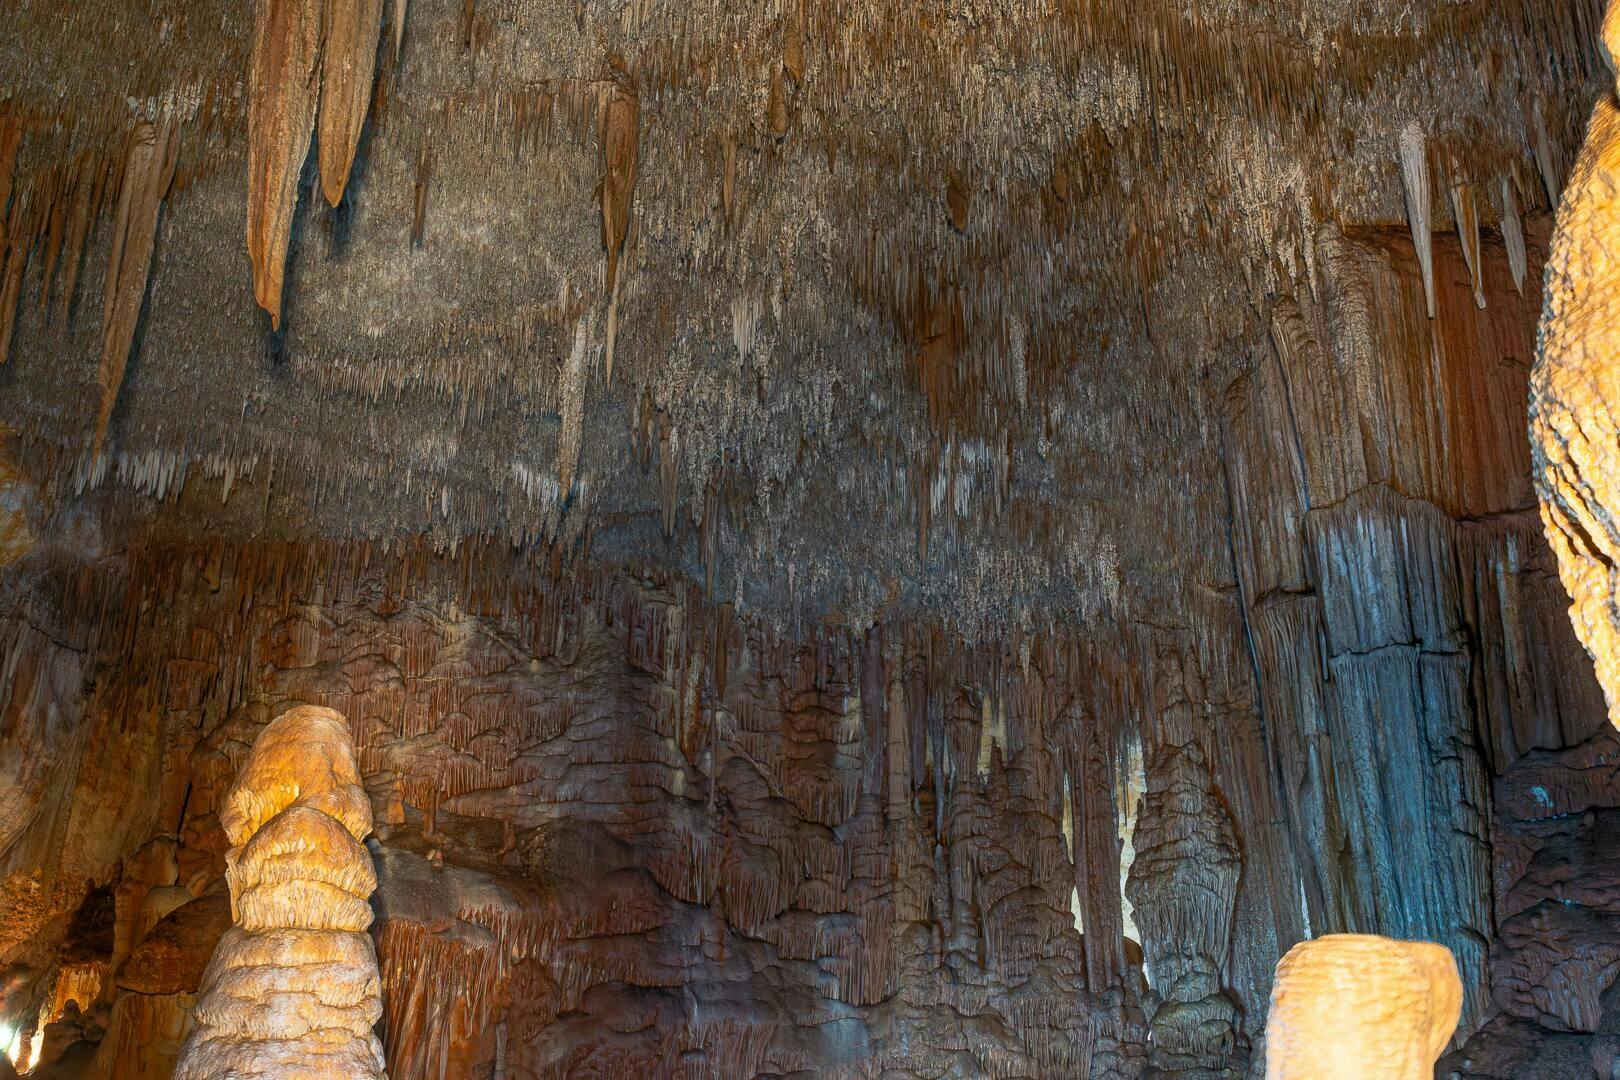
x=293, y=988
x=1354, y=1006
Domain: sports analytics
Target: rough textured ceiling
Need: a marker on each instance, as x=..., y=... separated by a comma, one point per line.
x=921, y=303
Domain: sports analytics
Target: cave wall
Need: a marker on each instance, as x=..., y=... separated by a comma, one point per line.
x=623, y=827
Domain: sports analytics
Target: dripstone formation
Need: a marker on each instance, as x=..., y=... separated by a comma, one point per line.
x=293, y=988
x=838, y=539
x=1350, y=1005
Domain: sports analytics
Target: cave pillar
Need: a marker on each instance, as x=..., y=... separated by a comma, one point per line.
x=1575, y=389
x=1183, y=886
x=1347, y=1006
x=293, y=987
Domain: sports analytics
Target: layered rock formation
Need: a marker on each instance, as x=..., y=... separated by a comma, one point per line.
x=293, y=989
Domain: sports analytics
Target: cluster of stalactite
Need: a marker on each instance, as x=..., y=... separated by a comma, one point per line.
x=854, y=262
x=955, y=669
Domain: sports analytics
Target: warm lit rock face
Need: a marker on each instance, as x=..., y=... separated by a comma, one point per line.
x=293, y=988
x=1353, y=1006
x=1573, y=420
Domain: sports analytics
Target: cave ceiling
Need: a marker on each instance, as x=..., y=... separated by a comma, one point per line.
x=847, y=308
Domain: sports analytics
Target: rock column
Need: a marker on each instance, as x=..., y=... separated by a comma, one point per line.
x=293, y=988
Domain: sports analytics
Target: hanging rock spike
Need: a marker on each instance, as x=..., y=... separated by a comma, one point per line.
x=1513, y=234
x=1466, y=213
x=283, y=94
x=148, y=172
x=1415, y=179
x=621, y=120
x=348, y=65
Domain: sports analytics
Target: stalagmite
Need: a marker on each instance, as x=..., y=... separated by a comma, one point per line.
x=1575, y=392
x=148, y=172
x=1182, y=884
x=283, y=92
x=1355, y=1006
x=1415, y=179
x=293, y=987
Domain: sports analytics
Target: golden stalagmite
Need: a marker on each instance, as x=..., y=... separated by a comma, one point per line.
x=293, y=987
x=1575, y=387
x=1352, y=1006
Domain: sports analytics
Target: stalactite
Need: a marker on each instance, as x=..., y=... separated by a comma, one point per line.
x=148, y=172
x=1466, y=215
x=1545, y=162
x=620, y=126
x=401, y=9
x=284, y=86
x=572, y=386
x=12, y=253
x=1513, y=234
x=348, y=63
x=1414, y=158
x=1348, y=1006
x=294, y=984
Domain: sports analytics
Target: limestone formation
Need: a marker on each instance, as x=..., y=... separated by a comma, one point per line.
x=293, y=987
x=853, y=539
x=148, y=172
x=1574, y=430
x=310, y=58
x=1353, y=1006
x=1182, y=885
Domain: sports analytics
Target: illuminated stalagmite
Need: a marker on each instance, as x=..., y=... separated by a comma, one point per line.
x=1350, y=1006
x=1574, y=430
x=293, y=987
